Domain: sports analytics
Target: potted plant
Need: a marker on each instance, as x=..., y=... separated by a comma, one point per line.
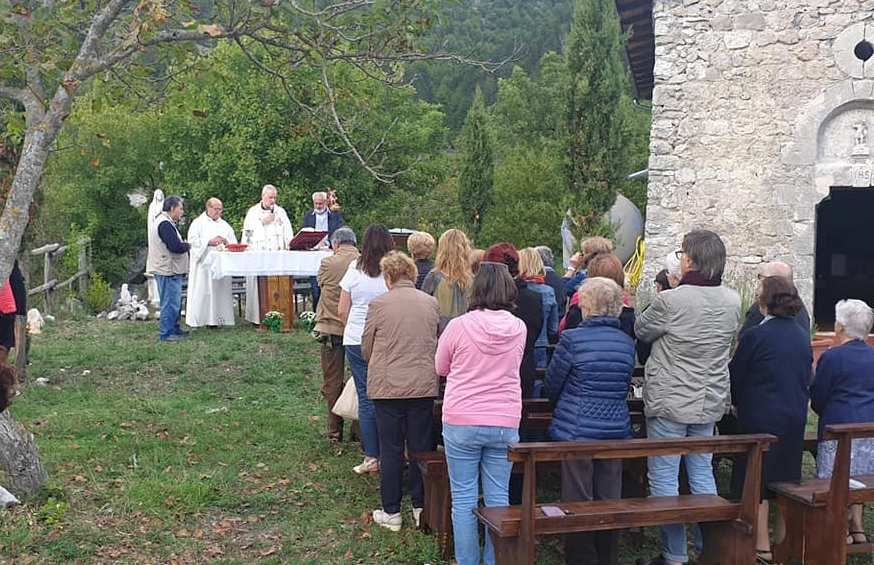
x=273, y=321
x=307, y=321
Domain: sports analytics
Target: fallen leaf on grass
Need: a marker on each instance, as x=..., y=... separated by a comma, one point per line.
x=269, y=551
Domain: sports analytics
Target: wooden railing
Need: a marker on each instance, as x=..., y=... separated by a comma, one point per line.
x=51, y=253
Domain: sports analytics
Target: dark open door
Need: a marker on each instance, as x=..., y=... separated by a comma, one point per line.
x=844, y=251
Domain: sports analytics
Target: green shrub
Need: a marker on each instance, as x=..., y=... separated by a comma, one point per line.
x=99, y=295
x=52, y=512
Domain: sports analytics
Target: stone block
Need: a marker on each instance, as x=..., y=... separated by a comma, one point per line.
x=788, y=37
x=751, y=21
x=721, y=23
x=737, y=39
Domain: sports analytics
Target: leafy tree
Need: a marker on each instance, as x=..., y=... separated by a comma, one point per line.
x=477, y=172
x=529, y=182
x=598, y=113
x=225, y=131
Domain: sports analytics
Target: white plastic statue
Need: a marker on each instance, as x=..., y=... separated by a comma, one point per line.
x=155, y=208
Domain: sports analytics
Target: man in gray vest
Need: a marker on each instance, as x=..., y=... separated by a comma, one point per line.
x=169, y=260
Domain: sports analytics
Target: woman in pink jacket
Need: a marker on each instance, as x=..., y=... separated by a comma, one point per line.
x=479, y=353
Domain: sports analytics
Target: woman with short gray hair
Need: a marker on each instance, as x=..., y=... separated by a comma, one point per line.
x=843, y=393
x=588, y=380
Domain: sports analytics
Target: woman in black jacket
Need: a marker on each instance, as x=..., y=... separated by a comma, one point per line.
x=529, y=309
x=770, y=375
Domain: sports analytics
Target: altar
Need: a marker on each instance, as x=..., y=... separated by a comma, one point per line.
x=274, y=270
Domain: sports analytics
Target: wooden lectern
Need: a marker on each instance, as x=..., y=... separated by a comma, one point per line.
x=277, y=293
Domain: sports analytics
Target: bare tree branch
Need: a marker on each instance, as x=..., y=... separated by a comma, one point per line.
x=17, y=94
x=387, y=178
x=98, y=64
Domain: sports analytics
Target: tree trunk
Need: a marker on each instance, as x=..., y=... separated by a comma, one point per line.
x=28, y=173
x=22, y=471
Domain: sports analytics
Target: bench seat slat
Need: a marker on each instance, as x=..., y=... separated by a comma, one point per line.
x=814, y=492
x=612, y=514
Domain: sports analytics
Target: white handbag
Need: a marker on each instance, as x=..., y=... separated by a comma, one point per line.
x=347, y=404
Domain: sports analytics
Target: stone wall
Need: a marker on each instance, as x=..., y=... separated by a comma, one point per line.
x=754, y=111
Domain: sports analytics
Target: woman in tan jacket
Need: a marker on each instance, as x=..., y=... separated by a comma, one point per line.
x=399, y=343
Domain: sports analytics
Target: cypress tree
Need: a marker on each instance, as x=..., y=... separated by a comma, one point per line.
x=598, y=106
x=477, y=172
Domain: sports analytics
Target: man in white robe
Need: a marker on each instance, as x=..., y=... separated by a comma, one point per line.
x=266, y=227
x=210, y=301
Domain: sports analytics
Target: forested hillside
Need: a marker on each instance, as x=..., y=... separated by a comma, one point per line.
x=488, y=29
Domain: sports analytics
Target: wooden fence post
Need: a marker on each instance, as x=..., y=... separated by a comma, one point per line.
x=84, y=265
x=46, y=277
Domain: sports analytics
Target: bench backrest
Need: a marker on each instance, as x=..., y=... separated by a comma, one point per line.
x=632, y=448
x=529, y=454
x=838, y=492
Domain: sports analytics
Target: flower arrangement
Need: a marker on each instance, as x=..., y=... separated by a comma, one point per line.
x=273, y=321
x=307, y=321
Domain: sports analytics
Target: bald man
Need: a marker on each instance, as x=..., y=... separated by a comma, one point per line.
x=209, y=301
x=774, y=269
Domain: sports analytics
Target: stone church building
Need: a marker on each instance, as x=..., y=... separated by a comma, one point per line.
x=763, y=131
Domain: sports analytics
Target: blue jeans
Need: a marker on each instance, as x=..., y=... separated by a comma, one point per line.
x=366, y=412
x=664, y=481
x=540, y=356
x=170, y=293
x=474, y=452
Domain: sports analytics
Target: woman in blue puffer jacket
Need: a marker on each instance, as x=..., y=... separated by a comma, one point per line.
x=588, y=381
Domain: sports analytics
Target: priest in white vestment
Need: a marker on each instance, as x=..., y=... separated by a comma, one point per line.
x=210, y=301
x=266, y=227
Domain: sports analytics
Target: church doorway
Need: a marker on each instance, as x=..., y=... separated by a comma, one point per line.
x=844, y=252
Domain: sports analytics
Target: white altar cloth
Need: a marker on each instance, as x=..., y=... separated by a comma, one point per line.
x=264, y=263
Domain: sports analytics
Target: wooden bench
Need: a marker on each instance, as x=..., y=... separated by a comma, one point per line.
x=729, y=527
x=815, y=510
x=536, y=414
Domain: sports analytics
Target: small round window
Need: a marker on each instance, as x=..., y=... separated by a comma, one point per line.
x=864, y=50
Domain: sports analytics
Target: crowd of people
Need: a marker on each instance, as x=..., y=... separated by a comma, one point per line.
x=478, y=324
x=475, y=327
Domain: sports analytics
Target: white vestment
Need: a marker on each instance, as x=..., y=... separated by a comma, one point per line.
x=272, y=237
x=209, y=301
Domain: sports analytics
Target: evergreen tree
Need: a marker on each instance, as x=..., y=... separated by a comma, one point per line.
x=477, y=175
x=598, y=114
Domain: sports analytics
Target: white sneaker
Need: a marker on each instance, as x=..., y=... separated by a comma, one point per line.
x=369, y=465
x=417, y=517
x=390, y=521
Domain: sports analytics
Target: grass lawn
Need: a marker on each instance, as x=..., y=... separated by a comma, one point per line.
x=208, y=450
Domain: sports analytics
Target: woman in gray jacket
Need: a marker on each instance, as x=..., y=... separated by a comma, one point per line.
x=686, y=391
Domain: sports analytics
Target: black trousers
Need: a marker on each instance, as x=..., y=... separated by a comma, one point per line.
x=397, y=421
x=7, y=330
x=587, y=479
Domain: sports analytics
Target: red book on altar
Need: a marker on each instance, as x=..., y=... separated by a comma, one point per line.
x=305, y=240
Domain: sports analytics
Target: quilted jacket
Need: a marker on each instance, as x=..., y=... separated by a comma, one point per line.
x=588, y=380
